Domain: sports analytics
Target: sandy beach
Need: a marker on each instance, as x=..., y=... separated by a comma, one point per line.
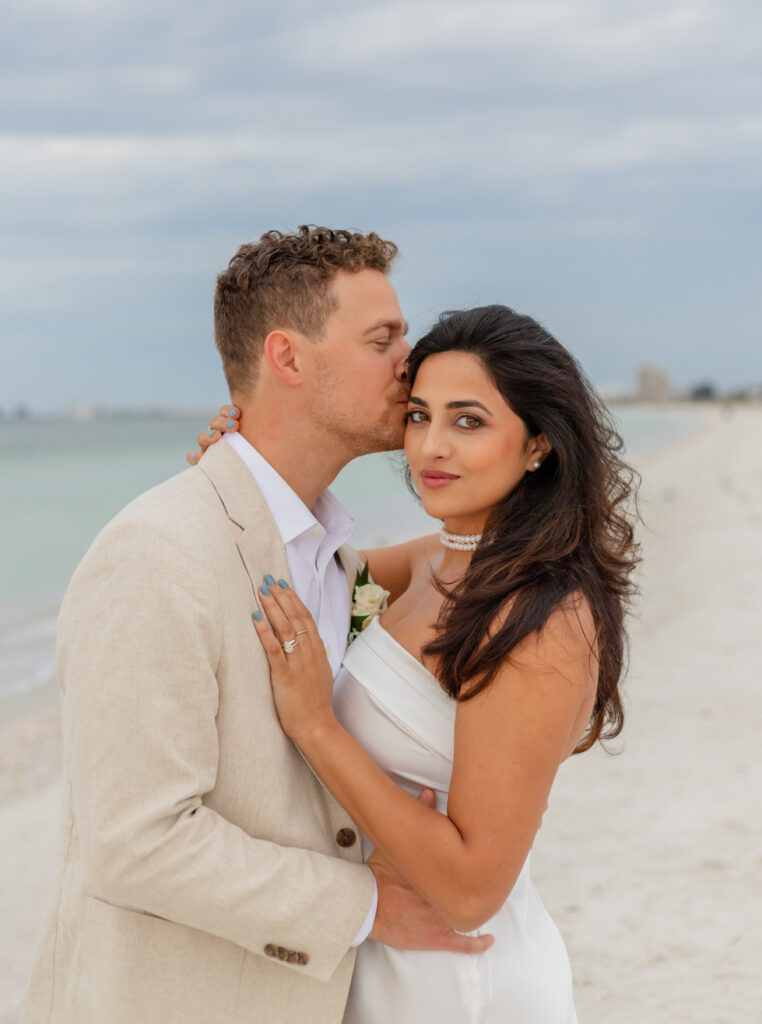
x=650, y=861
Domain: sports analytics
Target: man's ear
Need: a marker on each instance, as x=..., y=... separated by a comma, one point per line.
x=281, y=354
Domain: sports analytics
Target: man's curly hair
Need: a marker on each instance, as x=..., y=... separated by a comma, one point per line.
x=285, y=281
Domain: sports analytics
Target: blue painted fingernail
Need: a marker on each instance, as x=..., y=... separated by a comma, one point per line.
x=270, y=579
x=233, y=412
x=265, y=589
x=282, y=583
x=212, y=433
x=257, y=616
x=231, y=424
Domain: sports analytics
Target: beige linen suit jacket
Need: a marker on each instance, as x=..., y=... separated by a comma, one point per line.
x=202, y=877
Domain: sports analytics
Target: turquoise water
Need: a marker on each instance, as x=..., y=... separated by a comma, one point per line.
x=61, y=481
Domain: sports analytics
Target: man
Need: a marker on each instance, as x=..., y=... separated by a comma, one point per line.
x=207, y=875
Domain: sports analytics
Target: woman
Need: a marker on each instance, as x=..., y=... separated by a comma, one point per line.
x=498, y=657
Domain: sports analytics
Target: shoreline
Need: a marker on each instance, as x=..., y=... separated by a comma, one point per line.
x=43, y=609
x=646, y=860
x=17, y=707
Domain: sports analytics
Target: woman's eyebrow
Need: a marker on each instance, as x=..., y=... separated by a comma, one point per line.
x=464, y=404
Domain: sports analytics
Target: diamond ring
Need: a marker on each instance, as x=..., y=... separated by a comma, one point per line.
x=289, y=645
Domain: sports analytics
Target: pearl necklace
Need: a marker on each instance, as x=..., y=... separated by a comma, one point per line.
x=460, y=541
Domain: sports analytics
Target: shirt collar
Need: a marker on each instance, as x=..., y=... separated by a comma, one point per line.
x=291, y=515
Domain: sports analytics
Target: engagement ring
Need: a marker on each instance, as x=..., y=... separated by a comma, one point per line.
x=289, y=645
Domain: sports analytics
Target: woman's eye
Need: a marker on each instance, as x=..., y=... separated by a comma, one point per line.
x=414, y=416
x=469, y=422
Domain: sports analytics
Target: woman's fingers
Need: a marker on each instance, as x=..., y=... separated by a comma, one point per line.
x=279, y=618
x=273, y=647
x=288, y=615
x=207, y=437
x=225, y=422
x=296, y=614
x=427, y=797
x=295, y=609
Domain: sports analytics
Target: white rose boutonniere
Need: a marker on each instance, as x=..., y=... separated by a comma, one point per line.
x=368, y=601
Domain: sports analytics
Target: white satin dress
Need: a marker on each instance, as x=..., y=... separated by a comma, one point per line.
x=396, y=709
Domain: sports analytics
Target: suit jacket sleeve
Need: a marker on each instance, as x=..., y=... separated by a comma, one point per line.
x=139, y=646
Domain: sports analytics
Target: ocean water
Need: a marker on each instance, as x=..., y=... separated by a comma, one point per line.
x=61, y=482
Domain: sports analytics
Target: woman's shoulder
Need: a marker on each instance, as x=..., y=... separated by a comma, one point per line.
x=393, y=567
x=566, y=645
x=567, y=636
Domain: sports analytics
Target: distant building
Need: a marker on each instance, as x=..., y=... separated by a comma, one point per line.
x=703, y=392
x=653, y=383
x=82, y=412
x=612, y=392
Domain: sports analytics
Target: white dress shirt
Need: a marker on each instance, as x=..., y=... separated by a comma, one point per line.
x=311, y=540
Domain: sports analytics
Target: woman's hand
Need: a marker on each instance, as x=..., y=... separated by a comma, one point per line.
x=302, y=680
x=405, y=920
x=225, y=423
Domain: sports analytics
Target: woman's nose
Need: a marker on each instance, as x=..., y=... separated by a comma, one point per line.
x=435, y=444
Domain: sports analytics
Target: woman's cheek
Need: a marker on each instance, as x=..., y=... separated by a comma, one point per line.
x=411, y=454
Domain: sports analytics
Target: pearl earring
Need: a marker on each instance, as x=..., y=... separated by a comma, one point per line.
x=537, y=465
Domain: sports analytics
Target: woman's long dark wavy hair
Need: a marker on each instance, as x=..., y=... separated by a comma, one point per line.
x=566, y=529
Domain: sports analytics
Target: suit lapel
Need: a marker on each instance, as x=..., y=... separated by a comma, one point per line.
x=259, y=543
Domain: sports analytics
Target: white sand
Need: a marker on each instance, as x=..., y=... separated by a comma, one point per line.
x=29, y=812
x=651, y=861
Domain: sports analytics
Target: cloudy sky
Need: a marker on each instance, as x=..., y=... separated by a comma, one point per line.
x=596, y=163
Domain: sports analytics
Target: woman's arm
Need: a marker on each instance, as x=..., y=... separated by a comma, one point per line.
x=392, y=567
x=509, y=742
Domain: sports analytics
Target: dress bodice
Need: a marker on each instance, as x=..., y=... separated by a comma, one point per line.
x=398, y=711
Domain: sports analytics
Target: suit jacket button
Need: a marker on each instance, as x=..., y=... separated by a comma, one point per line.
x=346, y=837
x=282, y=953
x=302, y=958
x=271, y=950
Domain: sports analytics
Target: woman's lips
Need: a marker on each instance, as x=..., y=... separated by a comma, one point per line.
x=434, y=478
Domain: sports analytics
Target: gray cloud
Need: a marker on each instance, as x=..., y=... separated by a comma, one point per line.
x=595, y=163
